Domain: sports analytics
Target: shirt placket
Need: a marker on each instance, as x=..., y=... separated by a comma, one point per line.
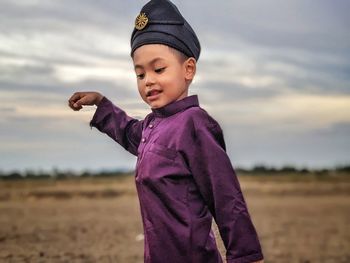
x=147, y=137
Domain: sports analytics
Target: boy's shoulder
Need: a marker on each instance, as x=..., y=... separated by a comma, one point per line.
x=200, y=118
x=203, y=124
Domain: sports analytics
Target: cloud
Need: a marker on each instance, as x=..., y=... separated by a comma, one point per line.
x=275, y=74
x=297, y=24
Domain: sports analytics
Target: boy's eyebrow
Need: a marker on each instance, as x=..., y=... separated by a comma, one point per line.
x=151, y=62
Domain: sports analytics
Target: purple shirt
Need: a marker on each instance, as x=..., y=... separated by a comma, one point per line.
x=184, y=178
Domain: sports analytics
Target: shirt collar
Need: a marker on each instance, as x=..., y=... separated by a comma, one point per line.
x=176, y=106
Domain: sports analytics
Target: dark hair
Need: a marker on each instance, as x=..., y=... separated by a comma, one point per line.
x=182, y=57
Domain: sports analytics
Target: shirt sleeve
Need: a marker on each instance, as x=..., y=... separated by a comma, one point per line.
x=220, y=188
x=114, y=122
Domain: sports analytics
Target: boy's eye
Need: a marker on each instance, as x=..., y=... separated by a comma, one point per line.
x=140, y=76
x=159, y=70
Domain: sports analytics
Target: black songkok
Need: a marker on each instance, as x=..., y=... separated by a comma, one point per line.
x=160, y=22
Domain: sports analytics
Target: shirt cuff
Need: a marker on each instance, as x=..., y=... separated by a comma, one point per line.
x=104, y=101
x=246, y=259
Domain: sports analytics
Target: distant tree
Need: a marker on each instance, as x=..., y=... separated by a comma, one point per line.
x=288, y=169
x=344, y=168
x=14, y=176
x=29, y=174
x=260, y=169
x=86, y=174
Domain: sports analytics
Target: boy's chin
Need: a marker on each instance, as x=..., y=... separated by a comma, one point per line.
x=160, y=103
x=157, y=104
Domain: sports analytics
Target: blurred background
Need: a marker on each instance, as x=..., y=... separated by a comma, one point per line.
x=275, y=74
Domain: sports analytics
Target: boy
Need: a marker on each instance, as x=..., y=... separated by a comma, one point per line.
x=183, y=177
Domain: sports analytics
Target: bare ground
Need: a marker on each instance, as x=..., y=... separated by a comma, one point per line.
x=298, y=219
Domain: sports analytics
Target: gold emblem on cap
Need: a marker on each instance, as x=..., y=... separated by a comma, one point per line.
x=141, y=21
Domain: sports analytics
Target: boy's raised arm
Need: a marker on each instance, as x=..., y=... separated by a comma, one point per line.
x=220, y=188
x=122, y=128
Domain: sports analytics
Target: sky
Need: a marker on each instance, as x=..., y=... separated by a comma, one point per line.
x=274, y=74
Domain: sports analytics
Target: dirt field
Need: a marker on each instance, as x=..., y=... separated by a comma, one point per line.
x=98, y=220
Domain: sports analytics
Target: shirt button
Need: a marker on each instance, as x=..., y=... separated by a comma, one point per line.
x=143, y=139
x=151, y=126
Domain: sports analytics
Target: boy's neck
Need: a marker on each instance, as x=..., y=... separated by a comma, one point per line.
x=176, y=106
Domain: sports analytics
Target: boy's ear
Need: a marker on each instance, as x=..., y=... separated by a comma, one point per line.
x=190, y=68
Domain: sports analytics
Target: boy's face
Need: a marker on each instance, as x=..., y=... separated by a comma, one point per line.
x=161, y=75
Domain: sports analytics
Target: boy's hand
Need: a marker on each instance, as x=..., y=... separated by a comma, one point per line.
x=78, y=99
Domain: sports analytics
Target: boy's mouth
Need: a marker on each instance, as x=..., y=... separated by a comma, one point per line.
x=152, y=94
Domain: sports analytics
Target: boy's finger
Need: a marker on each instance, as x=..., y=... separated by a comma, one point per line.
x=71, y=103
x=78, y=108
x=80, y=102
x=76, y=96
x=75, y=106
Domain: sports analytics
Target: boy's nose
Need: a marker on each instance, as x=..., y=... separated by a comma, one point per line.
x=149, y=80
